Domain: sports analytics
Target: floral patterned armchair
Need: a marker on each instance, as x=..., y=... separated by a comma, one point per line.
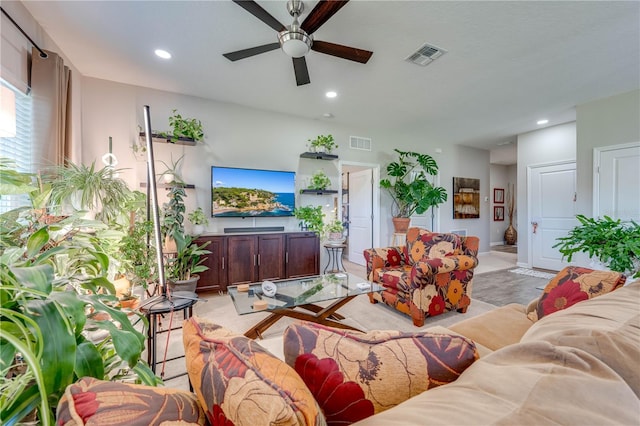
x=431, y=274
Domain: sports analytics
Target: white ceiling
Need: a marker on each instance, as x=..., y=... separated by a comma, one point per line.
x=508, y=63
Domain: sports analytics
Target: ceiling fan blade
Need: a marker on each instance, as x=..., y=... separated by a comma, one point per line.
x=301, y=71
x=344, y=52
x=245, y=53
x=256, y=10
x=320, y=14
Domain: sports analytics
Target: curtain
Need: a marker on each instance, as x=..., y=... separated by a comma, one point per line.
x=51, y=91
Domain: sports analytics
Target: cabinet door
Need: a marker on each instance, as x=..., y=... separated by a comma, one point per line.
x=243, y=259
x=271, y=257
x=303, y=254
x=214, y=278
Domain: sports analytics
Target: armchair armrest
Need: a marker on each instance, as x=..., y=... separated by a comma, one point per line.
x=383, y=257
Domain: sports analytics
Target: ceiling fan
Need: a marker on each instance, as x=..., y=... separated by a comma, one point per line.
x=296, y=40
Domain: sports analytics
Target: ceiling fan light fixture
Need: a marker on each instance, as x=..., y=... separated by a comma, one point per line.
x=295, y=43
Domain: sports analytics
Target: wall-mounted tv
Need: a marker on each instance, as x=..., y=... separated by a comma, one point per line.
x=239, y=192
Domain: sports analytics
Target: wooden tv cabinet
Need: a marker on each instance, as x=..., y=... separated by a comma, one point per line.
x=248, y=258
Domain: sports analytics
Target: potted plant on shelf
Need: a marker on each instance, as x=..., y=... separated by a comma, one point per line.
x=409, y=186
x=183, y=267
x=183, y=128
x=322, y=143
x=311, y=218
x=171, y=173
x=614, y=243
x=319, y=181
x=199, y=220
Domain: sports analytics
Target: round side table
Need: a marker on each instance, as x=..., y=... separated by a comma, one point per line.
x=334, y=262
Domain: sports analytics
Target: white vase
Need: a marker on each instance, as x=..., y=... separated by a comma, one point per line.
x=197, y=230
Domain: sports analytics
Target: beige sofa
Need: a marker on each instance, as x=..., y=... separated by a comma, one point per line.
x=575, y=366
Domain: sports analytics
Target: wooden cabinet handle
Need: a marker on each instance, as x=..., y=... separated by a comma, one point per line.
x=223, y=263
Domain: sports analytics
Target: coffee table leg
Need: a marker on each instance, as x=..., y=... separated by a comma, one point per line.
x=319, y=315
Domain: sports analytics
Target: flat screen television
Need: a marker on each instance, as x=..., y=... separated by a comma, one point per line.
x=239, y=192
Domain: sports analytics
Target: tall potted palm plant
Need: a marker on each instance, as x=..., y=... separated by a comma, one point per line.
x=408, y=184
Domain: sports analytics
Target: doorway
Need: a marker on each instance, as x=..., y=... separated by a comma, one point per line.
x=360, y=207
x=552, y=201
x=615, y=181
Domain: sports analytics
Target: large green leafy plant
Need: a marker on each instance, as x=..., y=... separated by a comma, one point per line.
x=615, y=243
x=409, y=186
x=52, y=286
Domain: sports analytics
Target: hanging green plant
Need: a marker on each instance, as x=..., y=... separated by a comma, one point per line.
x=311, y=218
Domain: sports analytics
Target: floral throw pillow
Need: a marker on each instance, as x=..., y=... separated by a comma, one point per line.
x=572, y=285
x=238, y=382
x=91, y=401
x=422, y=243
x=354, y=375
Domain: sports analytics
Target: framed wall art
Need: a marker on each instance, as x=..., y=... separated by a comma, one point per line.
x=466, y=198
x=498, y=195
x=498, y=213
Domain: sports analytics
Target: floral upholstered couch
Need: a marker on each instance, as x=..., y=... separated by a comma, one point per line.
x=429, y=275
x=570, y=357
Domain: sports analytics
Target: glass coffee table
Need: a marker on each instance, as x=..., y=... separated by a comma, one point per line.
x=297, y=298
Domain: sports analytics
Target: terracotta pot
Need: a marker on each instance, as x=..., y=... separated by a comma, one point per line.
x=131, y=303
x=184, y=285
x=169, y=245
x=401, y=224
x=510, y=235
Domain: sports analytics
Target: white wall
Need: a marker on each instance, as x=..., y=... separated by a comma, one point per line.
x=546, y=146
x=237, y=136
x=609, y=121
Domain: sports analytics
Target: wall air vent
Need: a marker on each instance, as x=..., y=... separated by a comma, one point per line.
x=426, y=54
x=357, y=142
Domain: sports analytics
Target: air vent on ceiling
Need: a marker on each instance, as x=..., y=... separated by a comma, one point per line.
x=426, y=54
x=357, y=142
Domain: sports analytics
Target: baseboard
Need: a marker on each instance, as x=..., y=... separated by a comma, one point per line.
x=254, y=229
x=522, y=265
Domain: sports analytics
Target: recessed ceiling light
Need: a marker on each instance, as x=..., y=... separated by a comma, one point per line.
x=162, y=54
x=541, y=122
x=327, y=115
x=331, y=94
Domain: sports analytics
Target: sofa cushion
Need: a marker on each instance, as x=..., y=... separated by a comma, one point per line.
x=422, y=244
x=239, y=382
x=90, y=401
x=572, y=285
x=607, y=327
x=397, y=278
x=354, y=375
x=497, y=328
x=533, y=383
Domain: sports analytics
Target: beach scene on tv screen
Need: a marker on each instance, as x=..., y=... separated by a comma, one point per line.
x=248, y=192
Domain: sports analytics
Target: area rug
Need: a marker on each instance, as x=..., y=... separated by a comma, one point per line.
x=533, y=273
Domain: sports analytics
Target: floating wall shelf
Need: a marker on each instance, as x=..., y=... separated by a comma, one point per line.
x=155, y=137
x=169, y=185
x=318, y=156
x=319, y=191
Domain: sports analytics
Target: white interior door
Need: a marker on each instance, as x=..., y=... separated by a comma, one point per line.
x=616, y=182
x=552, y=192
x=360, y=214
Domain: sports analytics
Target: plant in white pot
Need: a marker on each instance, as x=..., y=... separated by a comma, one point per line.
x=183, y=267
x=334, y=231
x=322, y=143
x=199, y=220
